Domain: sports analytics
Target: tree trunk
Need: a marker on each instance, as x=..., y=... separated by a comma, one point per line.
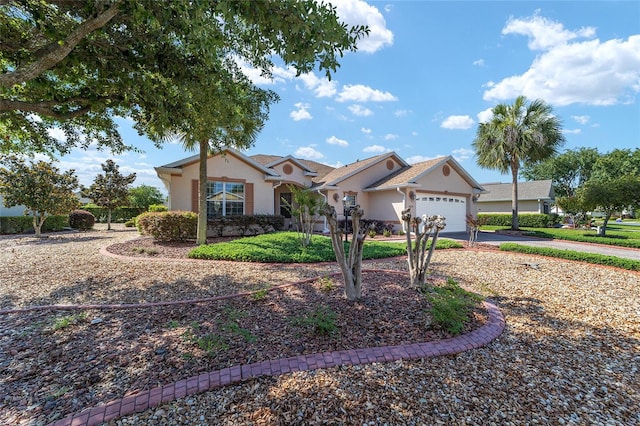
x=603, y=230
x=351, y=266
x=201, y=234
x=514, y=197
x=109, y=219
x=38, y=221
x=418, y=258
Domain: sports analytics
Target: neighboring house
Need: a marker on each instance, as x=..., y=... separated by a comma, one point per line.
x=533, y=197
x=383, y=186
x=10, y=211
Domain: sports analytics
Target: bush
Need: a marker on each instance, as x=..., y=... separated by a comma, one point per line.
x=121, y=214
x=23, y=224
x=451, y=306
x=81, y=219
x=158, y=208
x=169, y=226
x=527, y=220
x=245, y=225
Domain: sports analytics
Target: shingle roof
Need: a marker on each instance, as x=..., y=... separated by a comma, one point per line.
x=532, y=190
x=406, y=174
x=339, y=174
x=319, y=168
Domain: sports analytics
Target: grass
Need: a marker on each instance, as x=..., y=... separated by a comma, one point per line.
x=451, y=306
x=617, y=235
x=285, y=247
x=60, y=323
x=322, y=319
x=598, y=259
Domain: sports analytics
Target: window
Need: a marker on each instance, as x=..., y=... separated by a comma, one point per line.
x=285, y=202
x=350, y=200
x=224, y=199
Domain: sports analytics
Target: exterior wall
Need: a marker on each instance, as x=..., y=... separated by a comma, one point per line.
x=385, y=205
x=363, y=179
x=296, y=174
x=10, y=211
x=437, y=183
x=229, y=167
x=528, y=206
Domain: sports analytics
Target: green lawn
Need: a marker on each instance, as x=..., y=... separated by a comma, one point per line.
x=285, y=247
x=617, y=235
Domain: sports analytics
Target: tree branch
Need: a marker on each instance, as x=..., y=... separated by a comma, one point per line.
x=60, y=49
x=42, y=108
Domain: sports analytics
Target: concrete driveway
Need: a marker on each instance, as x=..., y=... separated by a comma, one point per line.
x=497, y=239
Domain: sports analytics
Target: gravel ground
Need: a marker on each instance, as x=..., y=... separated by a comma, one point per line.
x=570, y=353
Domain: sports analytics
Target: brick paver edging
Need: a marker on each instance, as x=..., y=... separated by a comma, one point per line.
x=144, y=400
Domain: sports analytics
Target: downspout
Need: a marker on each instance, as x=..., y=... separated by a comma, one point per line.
x=325, y=230
x=404, y=206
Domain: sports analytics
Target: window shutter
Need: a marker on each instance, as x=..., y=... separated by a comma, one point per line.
x=194, y=195
x=248, y=199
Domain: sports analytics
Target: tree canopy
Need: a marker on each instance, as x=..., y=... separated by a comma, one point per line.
x=76, y=65
x=143, y=196
x=111, y=189
x=517, y=133
x=40, y=187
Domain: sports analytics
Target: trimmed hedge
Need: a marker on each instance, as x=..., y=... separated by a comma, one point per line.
x=245, y=225
x=81, y=219
x=528, y=220
x=598, y=259
x=121, y=214
x=158, y=208
x=22, y=224
x=168, y=226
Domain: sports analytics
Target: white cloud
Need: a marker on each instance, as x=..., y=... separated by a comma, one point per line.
x=544, y=33
x=57, y=133
x=301, y=113
x=360, y=111
x=462, y=154
x=376, y=148
x=414, y=133
x=322, y=87
x=388, y=8
x=568, y=70
x=485, y=116
x=309, y=153
x=365, y=131
x=358, y=12
x=360, y=93
x=390, y=136
x=479, y=63
x=402, y=112
x=335, y=141
x=460, y=122
x=572, y=131
x=582, y=119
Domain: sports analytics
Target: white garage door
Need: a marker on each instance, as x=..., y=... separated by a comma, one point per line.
x=454, y=209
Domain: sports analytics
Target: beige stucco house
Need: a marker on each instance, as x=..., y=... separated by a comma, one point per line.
x=533, y=197
x=383, y=185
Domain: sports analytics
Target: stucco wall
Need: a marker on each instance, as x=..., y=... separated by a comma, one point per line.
x=223, y=167
x=385, y=205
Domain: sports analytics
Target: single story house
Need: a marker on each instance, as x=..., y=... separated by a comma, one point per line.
x=533, y=197
x=382, y=185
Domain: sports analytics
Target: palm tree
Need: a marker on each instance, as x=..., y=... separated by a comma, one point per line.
x=515, y=134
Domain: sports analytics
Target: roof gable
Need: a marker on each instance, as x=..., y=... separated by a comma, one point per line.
x=341, y=173
x=177, y=166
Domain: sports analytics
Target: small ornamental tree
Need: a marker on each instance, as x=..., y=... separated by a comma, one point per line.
x=144, y=196
x=417, y=255
x=40, y=187
x=351, y=265
x=111, y=189
x=306, y=205
x=610, y=196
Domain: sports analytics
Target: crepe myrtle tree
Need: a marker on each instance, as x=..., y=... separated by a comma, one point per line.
x=305, y=205
x=40, y=187
x=111, y=189
x=418, y=256
x=350, y=263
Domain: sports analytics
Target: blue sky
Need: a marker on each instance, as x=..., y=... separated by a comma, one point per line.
x=430, y=72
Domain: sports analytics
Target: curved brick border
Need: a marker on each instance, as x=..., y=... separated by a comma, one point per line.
x=143, y=400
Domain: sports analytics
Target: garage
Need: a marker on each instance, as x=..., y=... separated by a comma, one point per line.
x=453, y=208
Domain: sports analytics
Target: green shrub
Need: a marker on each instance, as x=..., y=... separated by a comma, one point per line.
x=528, y=220
x=81, y=219
x=598, y=259
x=22, y=224
x=451, y=306
x=169, y=226
x=322, y=319
x=121, y=214
x=131, y=223
x=15, y=224
x=241, y=225
x=158, y=208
